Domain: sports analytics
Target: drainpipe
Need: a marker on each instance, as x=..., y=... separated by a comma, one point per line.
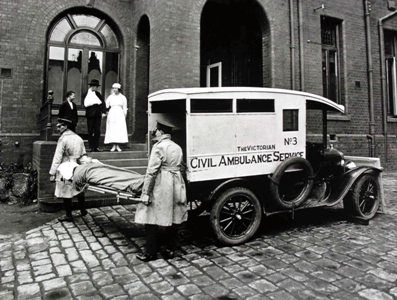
x=383, y=80
x=292, y=42
x=301, y=44
x=371, y=136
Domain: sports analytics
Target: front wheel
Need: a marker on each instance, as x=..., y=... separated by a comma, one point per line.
x=236, y=216
x=365, y=197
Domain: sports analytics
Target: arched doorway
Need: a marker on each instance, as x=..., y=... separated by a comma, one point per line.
x=142, y=78
x=81, y=47
x=235, y=40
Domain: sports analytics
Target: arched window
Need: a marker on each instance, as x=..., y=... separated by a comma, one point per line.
x=81, y=47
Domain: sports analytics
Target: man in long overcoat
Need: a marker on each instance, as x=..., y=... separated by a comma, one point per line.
x=164, y=193
x=69, y=148
x=68, y=110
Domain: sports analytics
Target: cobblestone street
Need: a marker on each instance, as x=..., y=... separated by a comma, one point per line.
x=319, y=255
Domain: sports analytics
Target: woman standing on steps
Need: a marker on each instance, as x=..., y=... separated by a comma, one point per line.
x=116, y=127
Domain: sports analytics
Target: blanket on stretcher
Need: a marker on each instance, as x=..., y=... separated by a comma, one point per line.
x=98, y=174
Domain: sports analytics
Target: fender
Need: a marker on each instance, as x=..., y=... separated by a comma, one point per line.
x=341, y=186
x=221, y=187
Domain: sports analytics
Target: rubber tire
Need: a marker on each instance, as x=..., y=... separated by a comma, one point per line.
x=216, y=210
x=277, y=176
x=352, y=203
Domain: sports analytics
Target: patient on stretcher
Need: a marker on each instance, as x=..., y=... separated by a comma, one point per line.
x=92, y=172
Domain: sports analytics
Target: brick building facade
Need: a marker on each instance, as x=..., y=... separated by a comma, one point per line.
x=344, y=50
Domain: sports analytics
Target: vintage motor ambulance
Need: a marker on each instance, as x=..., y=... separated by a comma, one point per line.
x=247, y=156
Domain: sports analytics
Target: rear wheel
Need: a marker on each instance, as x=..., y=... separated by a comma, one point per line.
x=236, y=216
x=364, y=200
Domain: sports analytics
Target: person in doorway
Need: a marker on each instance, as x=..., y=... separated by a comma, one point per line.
x=116, y=127
x=163, y=195
x=70, y=147
x=95, y=110
x=68, y=110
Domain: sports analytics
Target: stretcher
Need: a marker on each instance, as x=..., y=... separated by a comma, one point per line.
x=129, y=197
x=104, y=179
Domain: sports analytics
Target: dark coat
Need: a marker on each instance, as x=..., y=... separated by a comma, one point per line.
x=95, y=110
x=66, y=112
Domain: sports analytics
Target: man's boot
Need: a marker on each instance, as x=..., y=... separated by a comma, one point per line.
x=67, y=203
x=81, y=200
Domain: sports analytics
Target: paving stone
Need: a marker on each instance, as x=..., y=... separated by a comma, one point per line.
x=125, y=279
x=231, y=283
x=78, y=266
x=174, y=296
x=215, y=291
x=280, y=295
x=71, y=254
x=384, y=274
x=203, y=280
x=63, y=270
x=263, y=286
x=373, y=294
x=214, y=271
x=61, y=294
x=78, y=278
x=142, y=269
x=102, y=278
x=108, y=264
x=244, y=292
x=246, y=276
x=162, y=287
x=189, y=289
x=111, y=291
x=52, y=284
x=44, y=277
x=393, y=292
x=7, y=295
x=82, y=288
x=176, y=279
x=152, y=277
x=28, y=291
x=58, y=259
x=191, y=271
x=321, y=286
x=43, y=269
x=136, y=288
x=119, y=259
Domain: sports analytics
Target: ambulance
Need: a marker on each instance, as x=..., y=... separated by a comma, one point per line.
x=248, y=156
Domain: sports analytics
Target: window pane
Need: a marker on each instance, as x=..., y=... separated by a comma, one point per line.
x=170, y=106
x=290, y=120
x=84, y=20
x=211, y=105
x=333, y=76
x=111, y=70
x=110, y=37
x=95, y=59
x=74, y=72
x=55, y=72
x=60, y=31
x=85, y=38
x=255, y=105
x=328, y=31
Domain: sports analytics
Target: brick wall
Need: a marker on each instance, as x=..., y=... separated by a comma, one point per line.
x=175, y=58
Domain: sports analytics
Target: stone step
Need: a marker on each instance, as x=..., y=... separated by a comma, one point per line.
x=126, y=163
x=126, y=147
x=107, y=155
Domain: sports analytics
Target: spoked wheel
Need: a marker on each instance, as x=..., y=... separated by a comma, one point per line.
x=365, y=198
x=236, y=216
